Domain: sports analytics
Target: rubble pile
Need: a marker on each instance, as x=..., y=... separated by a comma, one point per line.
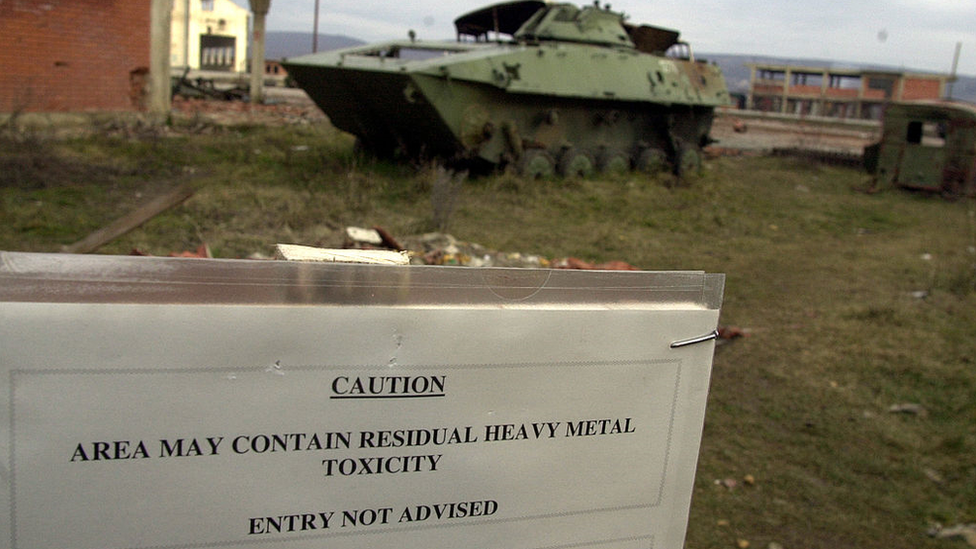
x=228, y=113
x=445, y=249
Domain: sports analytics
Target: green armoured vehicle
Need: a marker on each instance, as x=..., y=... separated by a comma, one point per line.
x=926, y=145
x=539, y=86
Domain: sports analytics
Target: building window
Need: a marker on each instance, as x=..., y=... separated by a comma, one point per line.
x=217, y=53
x=914, y=132
x=927, y=133
x=207, y=5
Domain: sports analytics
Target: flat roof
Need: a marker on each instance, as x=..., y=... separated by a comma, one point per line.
x=807, y=69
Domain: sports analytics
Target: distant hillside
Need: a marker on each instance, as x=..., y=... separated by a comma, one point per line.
x=279, y=44
x=737, y=73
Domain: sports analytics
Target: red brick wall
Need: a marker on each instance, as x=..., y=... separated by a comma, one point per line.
x=73, y=55
x=920, y=88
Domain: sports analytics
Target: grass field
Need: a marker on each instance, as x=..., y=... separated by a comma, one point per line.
x=853, y=303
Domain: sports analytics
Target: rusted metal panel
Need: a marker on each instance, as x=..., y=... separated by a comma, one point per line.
x=927, y=145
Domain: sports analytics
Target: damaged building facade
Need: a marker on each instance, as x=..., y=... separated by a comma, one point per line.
x=80, y=55
x=836, y=93
x=209, y=35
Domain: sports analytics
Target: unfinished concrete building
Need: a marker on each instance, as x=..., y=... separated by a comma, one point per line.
x=838, y=93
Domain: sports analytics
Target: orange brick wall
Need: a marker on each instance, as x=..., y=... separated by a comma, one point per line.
x=920, y=88
x=73, y=55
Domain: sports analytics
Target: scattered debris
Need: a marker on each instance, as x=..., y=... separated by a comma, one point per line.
x=732, y=484
x=726, y=334
x=729, y=483
x=965, y=532
x=357, y=237
x=444, y=249
x=910, y=408
x=742, y=544
x=293, y=252
x=387, y=240
x=732, y=332
x=202, y=252
x=574, y=263
x=207, y=88
x=933, y=475
x=208, y=116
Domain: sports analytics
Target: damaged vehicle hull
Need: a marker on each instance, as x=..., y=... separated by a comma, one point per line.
x=593, y=94
x=928, y=146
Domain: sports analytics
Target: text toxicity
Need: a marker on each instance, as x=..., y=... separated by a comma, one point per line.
x=388, y=386
x=380, y=465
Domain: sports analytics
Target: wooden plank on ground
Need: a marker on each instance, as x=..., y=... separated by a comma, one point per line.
x=131, y=220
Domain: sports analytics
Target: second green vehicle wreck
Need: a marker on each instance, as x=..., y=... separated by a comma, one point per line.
x=542, y=87
x=926, y=146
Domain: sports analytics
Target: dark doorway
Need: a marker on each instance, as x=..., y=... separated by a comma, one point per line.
x=217, y=53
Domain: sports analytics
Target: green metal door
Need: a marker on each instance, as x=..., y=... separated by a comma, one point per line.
x=923, y=157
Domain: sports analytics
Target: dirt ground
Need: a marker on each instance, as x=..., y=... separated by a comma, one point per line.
x=749, y=132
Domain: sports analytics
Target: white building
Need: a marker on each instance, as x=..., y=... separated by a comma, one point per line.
x=209, y=35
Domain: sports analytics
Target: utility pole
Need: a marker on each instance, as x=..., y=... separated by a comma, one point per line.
x=315, y=29
x=955, y=65
x=260, y=10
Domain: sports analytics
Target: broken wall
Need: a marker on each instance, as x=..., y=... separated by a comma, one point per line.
x=74, y=55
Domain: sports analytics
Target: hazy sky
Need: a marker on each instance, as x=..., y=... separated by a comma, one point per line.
x=911, y=34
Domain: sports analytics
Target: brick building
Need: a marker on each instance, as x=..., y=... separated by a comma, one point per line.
x=77, y=55
x=840, y=93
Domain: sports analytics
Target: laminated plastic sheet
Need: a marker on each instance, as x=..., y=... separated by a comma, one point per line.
x=186, y=403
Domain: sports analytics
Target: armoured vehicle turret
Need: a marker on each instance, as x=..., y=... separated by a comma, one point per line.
x=544, y=87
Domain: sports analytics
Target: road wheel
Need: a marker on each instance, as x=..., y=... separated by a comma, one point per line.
x=576, y=163
x=614, y=161
x=689, y=162
x=652, y=161
x=536, y=164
